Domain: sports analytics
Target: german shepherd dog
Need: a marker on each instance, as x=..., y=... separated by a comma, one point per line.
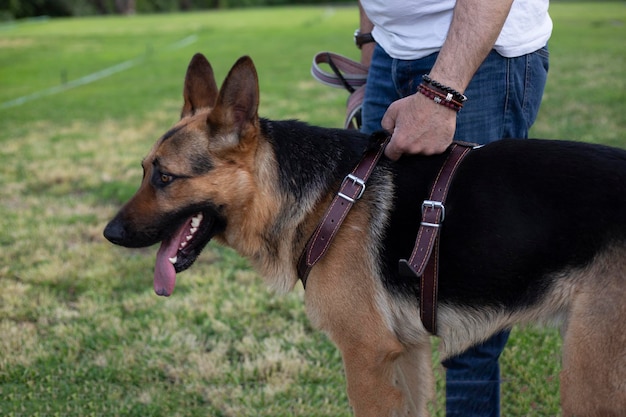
x=535, y=232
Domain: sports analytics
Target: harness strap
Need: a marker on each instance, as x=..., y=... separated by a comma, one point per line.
x=352, y=188
x=347, y=74
x=424, y=260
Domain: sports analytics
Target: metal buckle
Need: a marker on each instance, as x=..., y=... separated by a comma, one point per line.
x=355, y=180
x=430, y=204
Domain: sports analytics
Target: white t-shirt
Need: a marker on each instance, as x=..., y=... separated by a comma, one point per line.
x=413, y=29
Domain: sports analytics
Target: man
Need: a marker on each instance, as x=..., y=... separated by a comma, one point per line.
x=491, y=53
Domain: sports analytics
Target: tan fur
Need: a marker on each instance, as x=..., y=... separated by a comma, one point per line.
x=384, y=346
x=384, y=376
x=344, y=306
x=593, y=380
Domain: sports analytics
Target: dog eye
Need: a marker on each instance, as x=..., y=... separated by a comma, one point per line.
x=161, y=179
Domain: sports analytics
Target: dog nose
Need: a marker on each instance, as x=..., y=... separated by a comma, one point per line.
x=115, y=232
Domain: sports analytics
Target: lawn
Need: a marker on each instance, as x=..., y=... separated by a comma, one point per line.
x=81, y=102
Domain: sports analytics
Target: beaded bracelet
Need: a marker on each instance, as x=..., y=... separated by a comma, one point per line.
x=444, y=88
x=440, y=98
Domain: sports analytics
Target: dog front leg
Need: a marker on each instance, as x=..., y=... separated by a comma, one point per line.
x=384, y=377
x=341, y=299
x=414, y=375
x=384, y=382
x=369, y=376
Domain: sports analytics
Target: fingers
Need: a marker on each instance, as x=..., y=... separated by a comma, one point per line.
x=388, y=122
x=418, y=127
x=399, y=146
x=392, y=152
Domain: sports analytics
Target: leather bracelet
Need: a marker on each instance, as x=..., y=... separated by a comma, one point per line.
x=444, y=88
x=440, y=98
x=443, y=95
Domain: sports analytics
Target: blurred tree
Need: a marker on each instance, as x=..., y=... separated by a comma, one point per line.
x=17, y=9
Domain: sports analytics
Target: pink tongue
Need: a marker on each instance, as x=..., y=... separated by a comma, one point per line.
x=164, y=272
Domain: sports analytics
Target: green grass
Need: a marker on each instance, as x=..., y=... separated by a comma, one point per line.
x=81, y=331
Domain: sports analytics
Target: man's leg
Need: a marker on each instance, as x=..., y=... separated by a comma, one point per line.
x=473, y=380
x=504, y=98
x=380, y=91
x=503, y=102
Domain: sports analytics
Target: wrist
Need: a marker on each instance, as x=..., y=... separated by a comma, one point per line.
x=450, y=92
x=451, y=76
x=441, y=94
x=435, y=113
x=361, y=38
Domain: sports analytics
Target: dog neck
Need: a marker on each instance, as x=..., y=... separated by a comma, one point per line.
x=310, y=164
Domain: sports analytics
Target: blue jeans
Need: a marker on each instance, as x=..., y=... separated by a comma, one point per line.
x=503, y=100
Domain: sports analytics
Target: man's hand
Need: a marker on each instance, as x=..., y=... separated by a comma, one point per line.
x=418, y=125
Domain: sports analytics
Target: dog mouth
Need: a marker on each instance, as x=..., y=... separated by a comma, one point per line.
x=181, y=249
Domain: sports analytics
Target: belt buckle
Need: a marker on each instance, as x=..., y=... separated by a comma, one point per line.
x=355, y=180
x=431, y=205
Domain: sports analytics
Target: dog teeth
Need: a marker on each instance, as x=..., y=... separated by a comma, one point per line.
x=195, y=221
x=173, y=260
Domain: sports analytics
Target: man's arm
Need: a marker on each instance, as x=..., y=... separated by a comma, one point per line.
x=365, y=26
x=418, y=124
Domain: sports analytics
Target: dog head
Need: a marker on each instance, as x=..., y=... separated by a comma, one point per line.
x=198, y=177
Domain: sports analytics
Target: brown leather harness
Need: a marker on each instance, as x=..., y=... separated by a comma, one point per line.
x=424, y=261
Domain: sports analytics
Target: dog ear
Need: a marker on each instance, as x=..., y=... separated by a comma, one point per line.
x=200, y=89
x=238, y=101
